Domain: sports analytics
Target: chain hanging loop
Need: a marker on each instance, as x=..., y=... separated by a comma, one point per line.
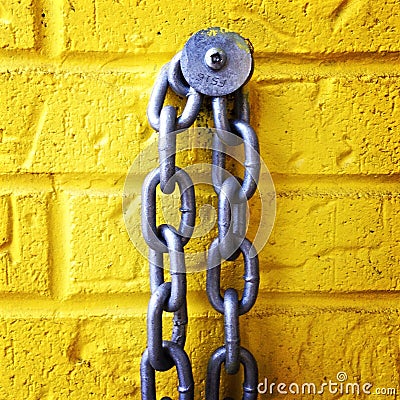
x=168, y=296
x=175, y=78
x=157, y=98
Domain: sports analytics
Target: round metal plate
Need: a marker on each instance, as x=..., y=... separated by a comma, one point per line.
x=216, y=62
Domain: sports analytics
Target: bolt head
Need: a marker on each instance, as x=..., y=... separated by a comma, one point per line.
x=215, y=58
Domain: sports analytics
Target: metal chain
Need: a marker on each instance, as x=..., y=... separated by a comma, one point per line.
x=233, y=195
x=162, y=355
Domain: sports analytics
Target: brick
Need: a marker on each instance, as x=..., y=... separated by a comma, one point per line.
x=94, y=127
x=23, y=109
x=127, y=31
x=321, y=241
x=332, y=243
x=64, y=358
x=98, y=357
x=17, y=30
x=99, y=343
x=24, y=252
x=102, y=257
x=333, y=26
x=333, y=126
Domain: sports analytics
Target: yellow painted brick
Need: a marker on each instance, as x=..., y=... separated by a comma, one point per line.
x=71, y=122
x=321, y=241
x=96, y=126
x=127, y=30
x=102, y=257
x=333, y=126
x=107, y=261
x=17, y=29
x=107, y=351
x=24, y=252
x=314, y=346
x=319, y=26
x=70, y=358
x=24, y=110
x=98, y=357
x=325, y=242
x=286, y=26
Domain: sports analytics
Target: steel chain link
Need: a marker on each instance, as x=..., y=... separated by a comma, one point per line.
x=230, y=243
x=233, y=195
x=162, y=355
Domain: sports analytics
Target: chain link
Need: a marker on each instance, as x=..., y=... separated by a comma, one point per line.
x=231, y=323
x=183, y=368
x=157, y=98
x=167, y=149
x=231, y=219
x=149, y=209
x=251, y=277
x=214, y=371
x=175, y=77
x=233, y=195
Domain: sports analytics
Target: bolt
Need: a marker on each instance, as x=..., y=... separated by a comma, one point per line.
x=215, y=58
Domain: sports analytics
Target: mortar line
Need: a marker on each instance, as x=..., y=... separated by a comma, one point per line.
x=39, y=28
x=284, y=66
x=15, y=245
x=135, y=304
x=59, y=240
x=49, y=23
x=112, y=183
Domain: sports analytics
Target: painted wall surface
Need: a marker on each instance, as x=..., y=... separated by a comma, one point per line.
x=75, y=78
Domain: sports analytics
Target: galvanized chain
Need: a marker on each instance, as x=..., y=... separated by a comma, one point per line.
x=233, y=194
x=226, y=64
x=162, y=355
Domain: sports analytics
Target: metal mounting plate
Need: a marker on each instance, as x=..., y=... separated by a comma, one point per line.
x=216, y=62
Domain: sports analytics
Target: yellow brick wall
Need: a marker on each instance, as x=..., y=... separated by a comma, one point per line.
x=75, y=78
